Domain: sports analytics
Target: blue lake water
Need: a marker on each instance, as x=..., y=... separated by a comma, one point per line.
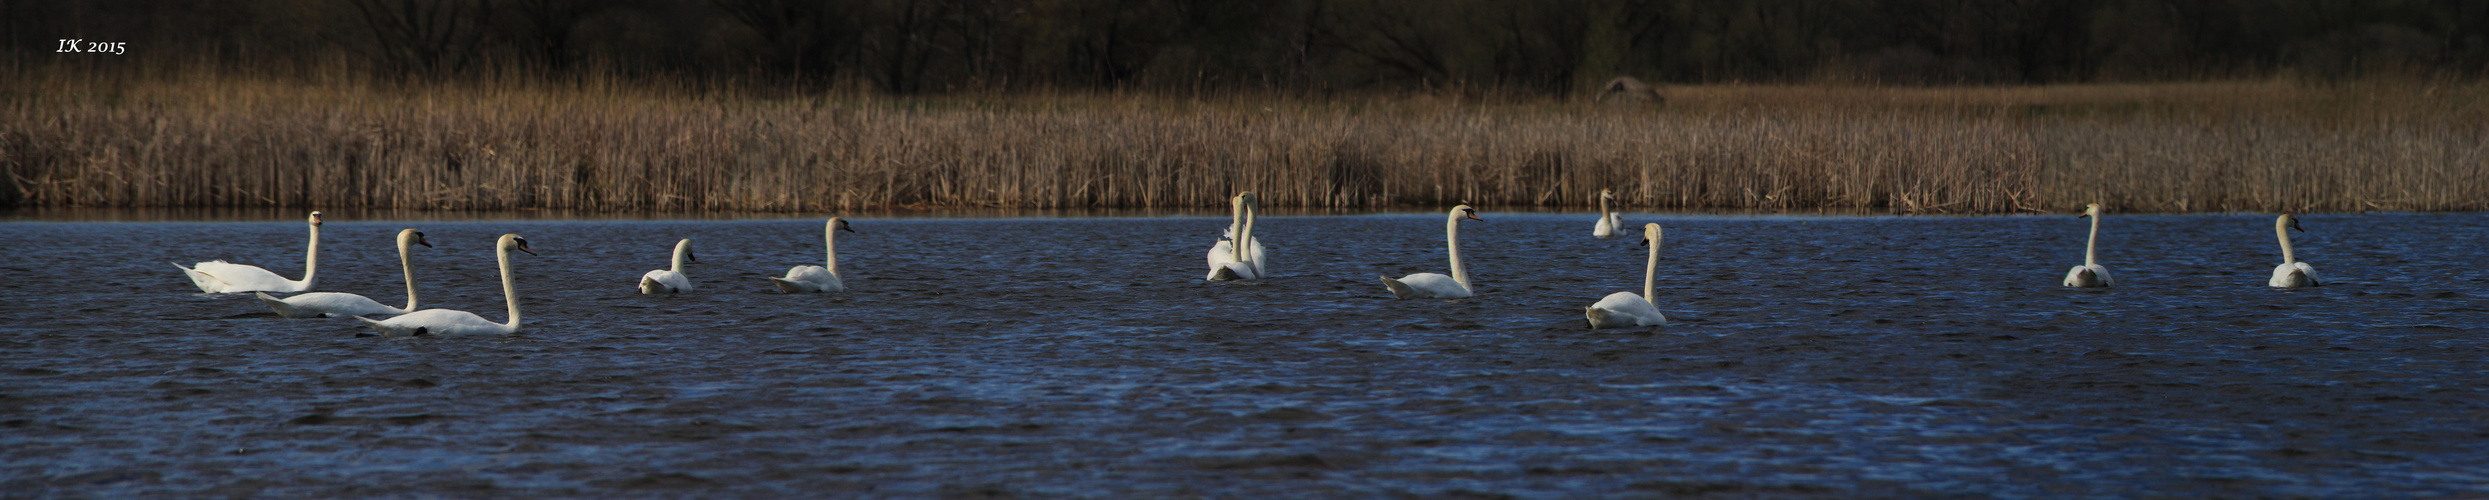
x=1085, y=357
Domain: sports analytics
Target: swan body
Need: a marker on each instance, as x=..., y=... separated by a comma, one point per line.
x=2292, y=273
x=1437, y=286
x=1609, y=222
x=218, y=276
x=2091, y=274
x=671, y=280
x=815, y=279
x=334, y=304
x=1624, y=309
x=1229, y=262
x=453, y=323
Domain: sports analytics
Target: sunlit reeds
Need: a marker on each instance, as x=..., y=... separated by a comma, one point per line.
x=206, y=140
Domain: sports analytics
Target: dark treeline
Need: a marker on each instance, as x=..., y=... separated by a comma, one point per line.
x=1530, y=46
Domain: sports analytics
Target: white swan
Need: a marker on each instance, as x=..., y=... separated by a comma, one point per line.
x=1437, y=286
x=449, y=322
x=2292, y=273
x=2091, y=274
x=1609, y=222
x=1623, y=309
x=670, y=280
x=218, y=276
x=1239, y=262
x=334, y=304
x=813, y=279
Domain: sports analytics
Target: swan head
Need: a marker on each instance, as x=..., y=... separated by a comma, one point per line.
x=2089, y=211
x=684, y=247
x=411, y=236
x=2286, y=221
x=1607, y=194
x=1463, y=211
x=838, y=224
x=1650, y=233
x=513, y=241
x=315, y=219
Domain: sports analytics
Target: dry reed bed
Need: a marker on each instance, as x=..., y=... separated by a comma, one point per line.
x=2164, y=148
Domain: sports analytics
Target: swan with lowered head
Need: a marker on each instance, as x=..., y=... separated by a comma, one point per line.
x=218, y=276
x=449, y=322
x=1623, y=309
x=812, y=279
x=2292, y=273
x=1609, y=222
x=671, y=280
x=1229, y=261
x=334, y=304
x=2091, y=274
x=1437, y=286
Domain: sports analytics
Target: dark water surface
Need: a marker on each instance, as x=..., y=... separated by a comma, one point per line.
x=1811, y=356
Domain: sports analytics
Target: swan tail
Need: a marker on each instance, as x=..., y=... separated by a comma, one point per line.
x=784, y=286
x=1598, y=318
x=283, y=308
x=206, y=283
x=1399, y=290
x=378, y=326
x=2082, y=277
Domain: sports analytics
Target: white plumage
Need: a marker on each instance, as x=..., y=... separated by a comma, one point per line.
x=2091, y=274
x=671, y=280
x=218, y=276
x=450, y=322
x=335, y=304
x=1437, y=286
x=822, y=278
x=1624, y=309
x=2292, y=273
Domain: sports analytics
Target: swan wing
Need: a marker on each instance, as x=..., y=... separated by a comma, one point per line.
x=327, y=304
x=1624, y=309
x=2293, y=275
x=808, y=279
x=664, y=281
x=1222, y=252
x=443, y=322
x=241, y=278
x=1426, y=286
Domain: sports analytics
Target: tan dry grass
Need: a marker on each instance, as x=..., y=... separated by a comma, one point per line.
x=210, y=140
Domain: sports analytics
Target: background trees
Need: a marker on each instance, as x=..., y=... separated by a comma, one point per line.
x=1539, y=46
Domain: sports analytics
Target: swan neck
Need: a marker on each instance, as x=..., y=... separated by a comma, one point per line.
x=829, y=247
x=509, y=287
x=1243, y=243
x=2091, y=248
x=1603, y=208
x=1452, y=245
x=680, y=249
x=1235, y=217
x=2281, y=229
x=406, y=262
x=1650, y=274
x=311, y=260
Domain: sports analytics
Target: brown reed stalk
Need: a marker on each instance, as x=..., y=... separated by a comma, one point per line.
x=202, y=139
